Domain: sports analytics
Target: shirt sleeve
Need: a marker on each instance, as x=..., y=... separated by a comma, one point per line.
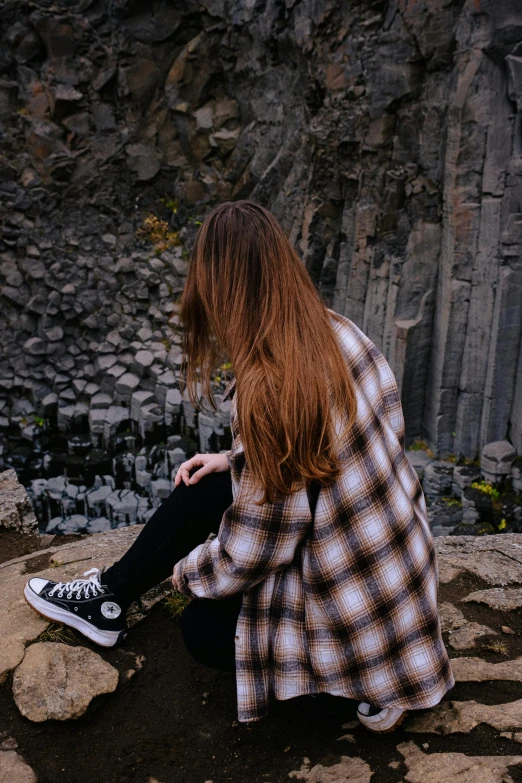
x=391, y=399
x=230, y=459
x=253, y=541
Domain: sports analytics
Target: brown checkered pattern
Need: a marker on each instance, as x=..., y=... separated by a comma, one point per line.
x=345, y=603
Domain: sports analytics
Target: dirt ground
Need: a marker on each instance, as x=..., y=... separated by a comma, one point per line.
x=175, y=721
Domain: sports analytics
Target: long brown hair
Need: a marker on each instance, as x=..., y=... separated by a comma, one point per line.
x=248, y=298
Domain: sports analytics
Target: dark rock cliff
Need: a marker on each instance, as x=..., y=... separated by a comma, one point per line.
x=385, y=136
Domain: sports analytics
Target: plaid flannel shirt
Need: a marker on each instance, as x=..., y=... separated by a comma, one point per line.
x=344, y=602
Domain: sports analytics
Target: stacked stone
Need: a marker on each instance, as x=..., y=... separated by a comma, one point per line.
x=64, y=506
x=102, y=366
x=130, y=386
x=471, y=499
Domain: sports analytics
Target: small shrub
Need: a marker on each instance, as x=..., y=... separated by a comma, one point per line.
x=487, y=489
x=449, y=501
x=500, y=648
x=157, y=231
x=175, y=603
x=57, y=633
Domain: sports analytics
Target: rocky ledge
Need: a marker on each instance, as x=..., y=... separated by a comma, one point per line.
x=476, y=730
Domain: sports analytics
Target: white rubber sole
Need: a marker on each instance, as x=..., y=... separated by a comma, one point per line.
x=51, y=612
x=383, y=724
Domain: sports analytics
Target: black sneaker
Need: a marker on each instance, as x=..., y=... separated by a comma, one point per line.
x=85, y=604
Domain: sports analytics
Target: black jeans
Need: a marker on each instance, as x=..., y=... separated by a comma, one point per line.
x=181, y=522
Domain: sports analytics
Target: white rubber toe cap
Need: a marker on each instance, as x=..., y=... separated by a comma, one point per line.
x=385, y=720
x=37, y=585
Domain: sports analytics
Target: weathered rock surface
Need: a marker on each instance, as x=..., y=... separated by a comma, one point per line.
x=516, y=736
x=13, y=769
x=495, y=559
x=16, y=512
x=57, y=682
x=478, y=670
x=462, y=633
x=350, y=768
x=448, y=572
x=445, y=767
x=497, y=598
x=451, y=617
x=466, y=636
x=454, y=716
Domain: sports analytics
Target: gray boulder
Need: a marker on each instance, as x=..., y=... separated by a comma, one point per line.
x=16, y=512
x=496, y=460
x=13, y=768
x=58, y=682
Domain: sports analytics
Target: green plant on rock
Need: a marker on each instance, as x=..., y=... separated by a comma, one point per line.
x=172, y=204
x=500, y=648
x=421, y=445
x=485, y=529
x=175, y=603
x=468, y=461
x=450, y=501
x=487, y=489
x=39, y=421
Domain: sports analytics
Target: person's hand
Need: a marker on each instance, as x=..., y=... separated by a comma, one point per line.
x=210, y=463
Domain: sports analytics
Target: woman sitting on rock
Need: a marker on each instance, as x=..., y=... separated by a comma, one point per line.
x=306, y=547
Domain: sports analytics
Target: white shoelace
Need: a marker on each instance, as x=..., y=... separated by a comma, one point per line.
x=77, y=585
